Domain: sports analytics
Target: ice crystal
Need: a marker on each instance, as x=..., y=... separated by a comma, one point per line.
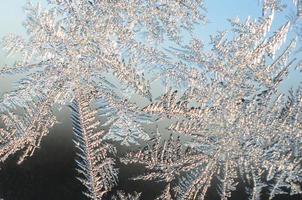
x=229, y=122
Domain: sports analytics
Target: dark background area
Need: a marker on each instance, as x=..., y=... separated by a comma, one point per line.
x=50, y=173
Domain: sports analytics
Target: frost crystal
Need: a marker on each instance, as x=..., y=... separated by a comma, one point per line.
x=222, y=106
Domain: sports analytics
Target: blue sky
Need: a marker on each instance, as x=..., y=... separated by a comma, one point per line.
x=12, y=15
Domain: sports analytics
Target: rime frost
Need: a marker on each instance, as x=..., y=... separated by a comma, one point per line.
x=228, y=121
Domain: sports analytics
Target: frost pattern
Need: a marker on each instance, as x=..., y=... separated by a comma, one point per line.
x=93, y=162
x=227, y=120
